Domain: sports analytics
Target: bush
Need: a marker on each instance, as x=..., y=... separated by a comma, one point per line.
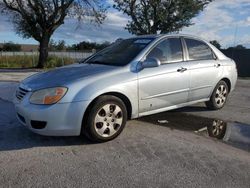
x=11, y=47
x=54, y=61
x=19, y=61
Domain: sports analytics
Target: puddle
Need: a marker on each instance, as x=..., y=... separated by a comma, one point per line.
x=233, y=133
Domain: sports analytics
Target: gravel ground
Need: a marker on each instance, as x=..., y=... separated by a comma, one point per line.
x=144, y=155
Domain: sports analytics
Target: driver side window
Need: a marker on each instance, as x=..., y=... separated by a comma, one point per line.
x=168, y=51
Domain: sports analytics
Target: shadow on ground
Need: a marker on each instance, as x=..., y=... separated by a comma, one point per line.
x=14, y=136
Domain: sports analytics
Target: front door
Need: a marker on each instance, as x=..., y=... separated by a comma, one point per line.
x=166, y=85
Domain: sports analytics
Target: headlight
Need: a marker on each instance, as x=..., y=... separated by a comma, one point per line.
x=48, y=96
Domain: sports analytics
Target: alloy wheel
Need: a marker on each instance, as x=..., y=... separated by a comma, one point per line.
x=221, y=95
x=108, y=120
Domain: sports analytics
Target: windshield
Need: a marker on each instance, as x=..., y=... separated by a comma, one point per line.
x=120, y=53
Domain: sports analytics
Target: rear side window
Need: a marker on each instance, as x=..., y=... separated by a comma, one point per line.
x=198, y=50
x=168, y=51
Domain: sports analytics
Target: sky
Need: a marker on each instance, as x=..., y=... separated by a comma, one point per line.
x=227, y=21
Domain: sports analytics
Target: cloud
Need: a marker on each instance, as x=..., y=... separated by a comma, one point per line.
x=110, y=30
x=220, y=20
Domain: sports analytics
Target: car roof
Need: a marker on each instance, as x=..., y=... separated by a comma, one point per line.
x=219, y=54
x=155, y=36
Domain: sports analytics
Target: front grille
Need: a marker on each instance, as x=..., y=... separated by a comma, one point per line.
x=38, y=124
x=20, y=93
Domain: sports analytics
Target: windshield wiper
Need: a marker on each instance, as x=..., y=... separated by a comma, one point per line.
x=96, y=62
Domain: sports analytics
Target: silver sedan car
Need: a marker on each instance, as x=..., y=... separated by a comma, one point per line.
x=132, y=78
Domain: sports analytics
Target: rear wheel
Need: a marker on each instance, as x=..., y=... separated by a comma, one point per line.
x=218, y=97
x=106, y=119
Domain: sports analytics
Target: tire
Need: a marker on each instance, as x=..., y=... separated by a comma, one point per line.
x=106, y=119
x=219, y=96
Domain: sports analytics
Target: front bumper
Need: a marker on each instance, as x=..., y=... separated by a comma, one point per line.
x=62, y=119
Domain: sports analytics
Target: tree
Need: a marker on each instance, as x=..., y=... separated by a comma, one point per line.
x=52, y=45
x=39, y=19
x=159, y=16
x=216, y=44
x=240, y=47
x=11, y=47
x=89, y=46
x=60, y=45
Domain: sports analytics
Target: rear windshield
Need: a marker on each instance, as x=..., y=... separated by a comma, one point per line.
x=120, y=53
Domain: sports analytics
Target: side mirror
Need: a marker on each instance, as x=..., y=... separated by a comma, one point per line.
x=150, y=63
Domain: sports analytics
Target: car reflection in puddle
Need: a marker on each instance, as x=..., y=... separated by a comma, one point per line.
x=233, y=133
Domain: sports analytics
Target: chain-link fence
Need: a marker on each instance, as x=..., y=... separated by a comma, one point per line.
x=30, y=59
x=68, y=54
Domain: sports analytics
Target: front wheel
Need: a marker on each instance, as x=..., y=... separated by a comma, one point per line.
x=106, y=118
x=218, y=97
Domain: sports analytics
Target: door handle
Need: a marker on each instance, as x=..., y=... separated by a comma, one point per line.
x=181, y=69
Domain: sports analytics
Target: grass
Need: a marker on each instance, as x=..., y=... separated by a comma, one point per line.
x=31, y=61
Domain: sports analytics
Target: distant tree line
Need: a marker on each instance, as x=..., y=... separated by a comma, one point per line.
x=10, y=47
x=61, y=46
x=84, y=45
x=88, y=46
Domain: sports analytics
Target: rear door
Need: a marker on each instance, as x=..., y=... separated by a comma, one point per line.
x=205, y=69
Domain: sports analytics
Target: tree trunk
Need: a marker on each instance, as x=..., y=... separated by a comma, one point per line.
x=43, y=51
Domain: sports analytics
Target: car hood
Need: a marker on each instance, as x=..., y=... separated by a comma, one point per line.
x=64, y=75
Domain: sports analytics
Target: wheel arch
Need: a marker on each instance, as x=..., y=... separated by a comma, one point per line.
x=228, y=82
x=121, y=96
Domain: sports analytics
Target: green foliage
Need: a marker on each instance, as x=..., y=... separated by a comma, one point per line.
x=216, y=44
x=54, y=61
x=238, y=47
x=57, y=46
x=158, y=16
x=29, y=61
x=11, y=47
x=88, y=46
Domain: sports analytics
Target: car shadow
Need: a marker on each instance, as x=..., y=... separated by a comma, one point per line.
x=177, y=119
x=200, y=107
x=14, y=136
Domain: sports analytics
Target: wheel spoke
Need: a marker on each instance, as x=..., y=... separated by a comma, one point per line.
x=217, y=99
x=117, y=110
x=102, y=130
x=111, y=130
x=99, y=119
x=224, y=98
x=106, y=108
x=118, y=121
x=224, y=92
